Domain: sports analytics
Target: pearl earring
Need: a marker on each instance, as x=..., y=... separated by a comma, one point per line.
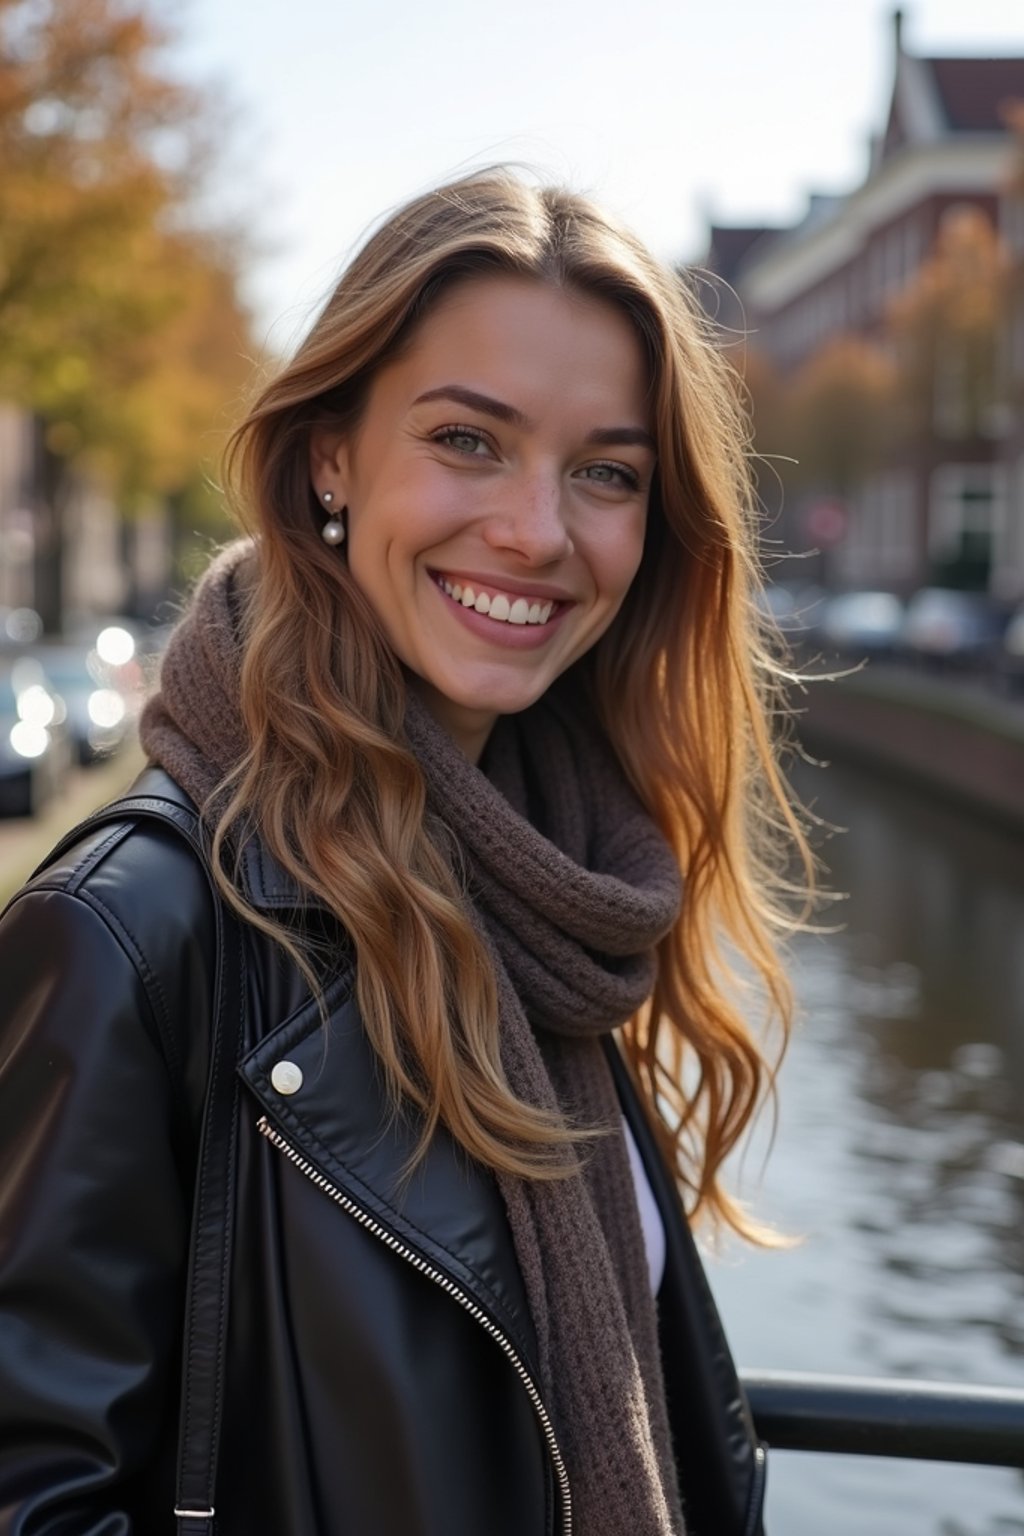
x=333, y=531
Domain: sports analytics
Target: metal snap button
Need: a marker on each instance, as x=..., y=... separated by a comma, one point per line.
x=286, y=1077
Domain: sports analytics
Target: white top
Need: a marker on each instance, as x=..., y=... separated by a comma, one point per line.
x=650, y=1217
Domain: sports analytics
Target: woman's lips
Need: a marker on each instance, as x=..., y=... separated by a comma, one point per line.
x=502, y=606
x=504, y=632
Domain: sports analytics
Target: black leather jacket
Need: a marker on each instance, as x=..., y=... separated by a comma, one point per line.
x=380, y=1357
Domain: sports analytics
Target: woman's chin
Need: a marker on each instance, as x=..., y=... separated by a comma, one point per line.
x=467, y=709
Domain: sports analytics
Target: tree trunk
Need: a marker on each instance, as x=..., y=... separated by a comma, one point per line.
x=49, y=499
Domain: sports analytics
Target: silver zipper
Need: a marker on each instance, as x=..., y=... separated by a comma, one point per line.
x=450, y=1288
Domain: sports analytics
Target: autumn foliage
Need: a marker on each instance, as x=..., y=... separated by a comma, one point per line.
x=844, y=406
x=119, y=308
x=946, y=328
x=932, y=367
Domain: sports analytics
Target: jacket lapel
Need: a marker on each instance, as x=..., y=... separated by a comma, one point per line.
x=329, y=1103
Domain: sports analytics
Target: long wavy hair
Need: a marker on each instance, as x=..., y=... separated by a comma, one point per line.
x=685, y=682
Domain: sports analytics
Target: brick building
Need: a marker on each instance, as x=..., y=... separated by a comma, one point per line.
x=945, y=145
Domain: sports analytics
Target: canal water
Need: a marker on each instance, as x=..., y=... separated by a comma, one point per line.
x=898, y=1160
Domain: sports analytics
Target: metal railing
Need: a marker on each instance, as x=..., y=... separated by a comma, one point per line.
x=863, y=1416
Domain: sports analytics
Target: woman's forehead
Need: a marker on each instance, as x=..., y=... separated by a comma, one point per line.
x=520, y=340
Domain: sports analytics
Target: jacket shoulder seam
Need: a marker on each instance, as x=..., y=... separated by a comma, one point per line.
x=89, y=861
x=151, y=986
x=162, y=1038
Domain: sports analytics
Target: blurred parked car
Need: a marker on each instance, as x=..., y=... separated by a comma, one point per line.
x=97, y=710
x=34, y=745
x=121, y=646
x=19, y=626
x=863, y=623
x=796, y=611
x=954, y=628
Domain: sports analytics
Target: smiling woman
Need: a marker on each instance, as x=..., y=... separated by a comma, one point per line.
x=514, y=501
x=462, y=792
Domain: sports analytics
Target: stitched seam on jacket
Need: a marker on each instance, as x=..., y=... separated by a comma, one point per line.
x=80, y=872
x=70, y=882
x=237, y=939
x=185, y=1468
x=262, y=868
x=87, y=900
x=151, y=987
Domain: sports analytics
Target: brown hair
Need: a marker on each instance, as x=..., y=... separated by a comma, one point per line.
x=684, y=683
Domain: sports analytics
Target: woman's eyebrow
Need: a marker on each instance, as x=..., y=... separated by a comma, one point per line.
x=488, y=406
x=477, y=402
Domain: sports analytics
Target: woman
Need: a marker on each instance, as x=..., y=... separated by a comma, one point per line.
x=483, y=687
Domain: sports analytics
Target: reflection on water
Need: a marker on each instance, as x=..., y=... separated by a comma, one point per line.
x=899, y=1156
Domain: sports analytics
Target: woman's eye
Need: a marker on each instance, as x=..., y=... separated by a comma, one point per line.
x=613, y=474
x=462, y=439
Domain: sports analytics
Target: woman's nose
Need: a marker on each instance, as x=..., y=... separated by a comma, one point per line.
x=532, y=522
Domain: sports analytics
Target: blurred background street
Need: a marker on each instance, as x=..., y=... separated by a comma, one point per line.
x=843, y=188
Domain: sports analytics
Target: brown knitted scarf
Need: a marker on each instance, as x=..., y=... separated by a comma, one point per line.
x=572, y=886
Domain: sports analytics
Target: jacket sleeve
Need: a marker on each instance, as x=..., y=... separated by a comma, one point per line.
x=93, y=1228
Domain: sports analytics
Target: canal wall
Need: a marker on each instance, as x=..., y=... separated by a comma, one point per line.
x=950, y=735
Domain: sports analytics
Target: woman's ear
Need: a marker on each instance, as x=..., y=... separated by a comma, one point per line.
x=328, y=462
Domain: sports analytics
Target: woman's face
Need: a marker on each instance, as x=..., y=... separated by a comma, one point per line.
x=497, y=489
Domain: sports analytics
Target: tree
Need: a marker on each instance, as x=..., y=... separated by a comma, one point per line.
x=119, y=308
x=946, y=326
x=842, y=414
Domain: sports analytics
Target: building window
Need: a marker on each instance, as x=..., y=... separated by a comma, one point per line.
x=951, y=416
x=967, y=517
x=912, y=248
x=1008, y=544
x=857, y=291
x=876, y=277
x=893, y=259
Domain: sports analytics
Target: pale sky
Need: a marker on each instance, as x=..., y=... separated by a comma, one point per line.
x=664, y=111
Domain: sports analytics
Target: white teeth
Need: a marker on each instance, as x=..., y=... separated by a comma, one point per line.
x=501, y=608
